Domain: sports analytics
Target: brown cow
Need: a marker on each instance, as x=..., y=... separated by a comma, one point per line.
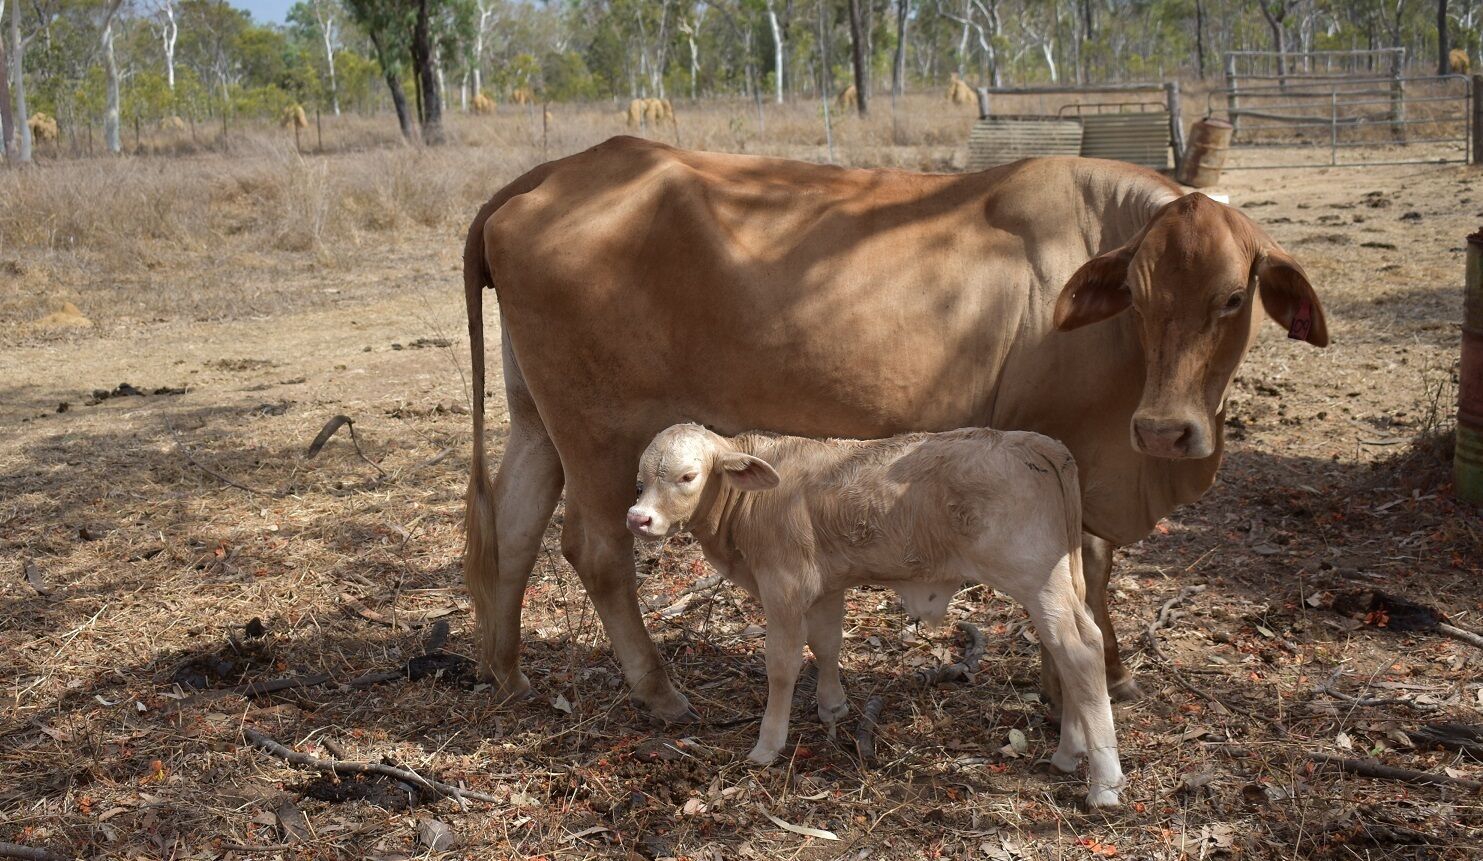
x=640, y=285
x=797, y=522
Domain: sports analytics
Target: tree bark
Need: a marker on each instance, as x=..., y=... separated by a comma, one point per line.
x=777, y=48
x=7, y=118
x=110, y=72
x=1444, y=46
x=1200, y=38
x=394, y=84
x=857, y=51
x=429, y=102
x=18, y=83
x=898, y=67
x=1279, y=35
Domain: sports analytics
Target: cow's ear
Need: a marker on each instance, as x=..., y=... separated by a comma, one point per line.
x=1098, y=290
x=1289, y=299
x=746, y=472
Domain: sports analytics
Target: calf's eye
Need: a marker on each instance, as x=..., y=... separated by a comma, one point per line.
x=638, y=490
x=687, y=478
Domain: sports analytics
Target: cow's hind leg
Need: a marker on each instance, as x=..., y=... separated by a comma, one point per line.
x=825, y=623
x=526, y=487
x=1096, y=561
x=598, y=545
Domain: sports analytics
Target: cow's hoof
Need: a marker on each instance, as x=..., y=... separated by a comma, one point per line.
x=671, y=707
x=1102, y=798
x=832, y=714
x=1125, y=690
x=761, y=755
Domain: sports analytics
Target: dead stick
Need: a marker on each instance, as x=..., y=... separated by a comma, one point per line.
x=1150, y=636
x=1460, y=635
x=870, y=717
x=956, y=672
x=12, y=850
x=269, y=745
x=1372, y=768
x=1328, y=688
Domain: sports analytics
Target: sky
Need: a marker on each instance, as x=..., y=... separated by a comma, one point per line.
x=265, y=11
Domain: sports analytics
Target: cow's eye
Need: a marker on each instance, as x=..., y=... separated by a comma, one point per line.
x=687, y=478
x=1234, y=303
x=638, y=490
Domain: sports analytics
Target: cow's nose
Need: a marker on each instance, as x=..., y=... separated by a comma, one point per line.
x=1164, y=437
x=638, y=521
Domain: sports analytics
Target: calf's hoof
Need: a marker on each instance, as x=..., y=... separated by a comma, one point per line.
x=1101, y=798
x=831, y=714
x=513, y=689
x=762, y=755
x=1064, y=761
x=1124, y=690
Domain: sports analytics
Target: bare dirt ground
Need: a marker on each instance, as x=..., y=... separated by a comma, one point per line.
x=161, y=550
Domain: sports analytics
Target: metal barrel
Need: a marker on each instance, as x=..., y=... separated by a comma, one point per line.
x=1468, y=461
x=1205, y=155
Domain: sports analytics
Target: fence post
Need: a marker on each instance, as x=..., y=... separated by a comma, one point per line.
x=1334, y=129
x=983, y=103
x=1176, y=122
x=1477, y=100
x=1233, y=97
x=1397, y=98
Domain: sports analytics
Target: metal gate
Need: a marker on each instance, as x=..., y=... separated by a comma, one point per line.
x=1341, y=109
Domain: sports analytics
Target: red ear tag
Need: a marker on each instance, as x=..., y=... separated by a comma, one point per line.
x=1302, y=322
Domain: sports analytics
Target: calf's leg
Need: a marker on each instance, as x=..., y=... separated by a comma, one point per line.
x=1070, y=633
x=785, y=636
x=825, y=624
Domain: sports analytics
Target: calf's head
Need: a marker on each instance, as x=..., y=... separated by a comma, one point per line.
x=680, y=474
x=1192, y=279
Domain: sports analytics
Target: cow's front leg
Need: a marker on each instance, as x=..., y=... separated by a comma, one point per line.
x=785, y=635
x=825, y=631
x=1096, y=563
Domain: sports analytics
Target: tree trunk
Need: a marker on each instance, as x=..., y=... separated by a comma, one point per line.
x=18, y=83
x=1279, y=37
x=429, y=101
x=327, y=28
x=7, y=119
x=110, y=74
x=169, y=34
x=777, y=48
x=1200, y=38
x=1444, y=46
x=394, y=84
x=857, y=51
x=898, y=67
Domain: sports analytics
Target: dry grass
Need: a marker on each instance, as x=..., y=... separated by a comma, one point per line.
x=282, y=290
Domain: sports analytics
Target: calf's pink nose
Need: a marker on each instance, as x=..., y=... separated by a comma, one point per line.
x=638, y=520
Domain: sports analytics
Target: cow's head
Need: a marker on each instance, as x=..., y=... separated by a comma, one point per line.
x=680, y=473
x=1192, y=278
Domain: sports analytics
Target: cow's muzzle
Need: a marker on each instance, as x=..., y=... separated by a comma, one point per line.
x=1174, y=438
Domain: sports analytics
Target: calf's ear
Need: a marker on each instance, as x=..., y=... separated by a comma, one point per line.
x=1289, y=299
x=1098, y=290
x=746, y=472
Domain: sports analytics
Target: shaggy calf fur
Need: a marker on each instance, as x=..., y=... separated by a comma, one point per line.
x=797, y=522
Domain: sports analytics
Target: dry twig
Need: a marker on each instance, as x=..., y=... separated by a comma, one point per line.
x=1378, y=770
x=1150, y=636
x=12, y=850
x=328, y=431
x=271, y=746
x=870, y=717
x=959, y=671
x=1328, y=688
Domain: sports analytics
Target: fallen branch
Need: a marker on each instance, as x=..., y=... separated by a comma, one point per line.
x=870, y=717
x=1328, y=688
x=191, y=459
x=1380, y=771
x=1151, y=639
x=12, y=850
x=959, y=671
x=1459, y=634
x=271, y=746
x=328, y=431
x=34, y=578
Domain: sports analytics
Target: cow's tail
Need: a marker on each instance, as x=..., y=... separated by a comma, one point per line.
x=481, y=549
x=1060, y=461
